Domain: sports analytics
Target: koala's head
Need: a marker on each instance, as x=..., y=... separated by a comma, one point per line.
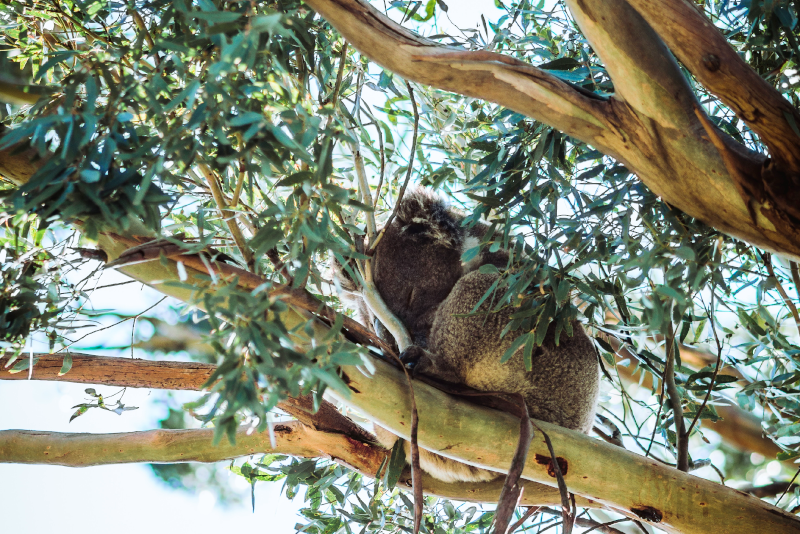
x=418, y=260
x=425, y=218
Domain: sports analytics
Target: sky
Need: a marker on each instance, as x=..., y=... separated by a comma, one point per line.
x=128, y=499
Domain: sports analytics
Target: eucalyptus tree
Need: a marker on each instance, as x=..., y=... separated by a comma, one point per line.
x=639, y=159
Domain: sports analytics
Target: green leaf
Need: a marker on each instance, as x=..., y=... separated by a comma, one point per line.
x=397, y=462
x=66, y=365
x=514, y=347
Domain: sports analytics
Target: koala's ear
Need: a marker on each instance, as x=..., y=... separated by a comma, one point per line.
x=423, y=214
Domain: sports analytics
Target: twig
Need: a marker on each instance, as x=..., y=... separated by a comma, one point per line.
x=795, y=277
x=363, y=186
x=716, y=368
x=658, y=417
x=272, y=256
x=528, y=513
x=339, y=75
x=765, y=257
x=137, y=18
x=602, y=527
x=239, y=184
x=383, y=165
x=567, y=510
x=787, y=487
x=228, y=216
x=511, y=492
x=616, y=436
x=769, y=490
x=112, y=325
x=682, y=439
x=408, y=170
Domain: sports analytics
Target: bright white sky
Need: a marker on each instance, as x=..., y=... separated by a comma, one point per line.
x=128, y=499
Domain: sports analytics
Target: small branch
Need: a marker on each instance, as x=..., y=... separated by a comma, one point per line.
x=363, y=187
x=339, y=75
x=615, y=438
x=682, y=438
x=528, y=513
x=568, y=512
x=383, y=165
x=239, y=185
x=227, y=215
x=769, y=490
x=712, y=319
x=767, y=259
x=795, y=277
x=599, y=527
x=279, y=266
x=410, y=163
x=137, y=18
x=191, y=376
x=786, y=490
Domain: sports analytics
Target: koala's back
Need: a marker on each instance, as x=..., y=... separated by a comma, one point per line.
x=563, y=386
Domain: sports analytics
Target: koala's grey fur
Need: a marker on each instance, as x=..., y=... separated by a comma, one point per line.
x=418, y=272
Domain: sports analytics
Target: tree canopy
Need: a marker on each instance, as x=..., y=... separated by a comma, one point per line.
x=640, y=160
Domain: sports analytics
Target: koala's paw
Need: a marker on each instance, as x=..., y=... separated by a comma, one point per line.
x=416, y=359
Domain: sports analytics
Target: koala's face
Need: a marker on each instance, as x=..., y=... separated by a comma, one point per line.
x=418, y=260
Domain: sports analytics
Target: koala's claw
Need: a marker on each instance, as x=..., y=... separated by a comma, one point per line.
x=412, y=357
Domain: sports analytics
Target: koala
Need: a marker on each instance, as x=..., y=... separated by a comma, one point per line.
x=419, y=273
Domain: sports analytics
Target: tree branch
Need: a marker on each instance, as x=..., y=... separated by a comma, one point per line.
x=196, y=445
x=707, y=54
x=644, y=72
x=681, y=437
x=486, y=75
x=658, y=494
x=227, y=215
x=134, y=373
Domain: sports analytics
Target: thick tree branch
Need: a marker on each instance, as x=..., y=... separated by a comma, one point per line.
x=652, y=131
x=486, y=75
x=134, y=373
x=196, y=445
x=170, y=446
x=707, y=54
x=675, y=501
x=644, y=72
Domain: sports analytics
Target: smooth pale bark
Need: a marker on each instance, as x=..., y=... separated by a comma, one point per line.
x=679, y=162
x=649, y=126
x=196, y=445
x=712, y=60
x=663, y=496
x=738, y=428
